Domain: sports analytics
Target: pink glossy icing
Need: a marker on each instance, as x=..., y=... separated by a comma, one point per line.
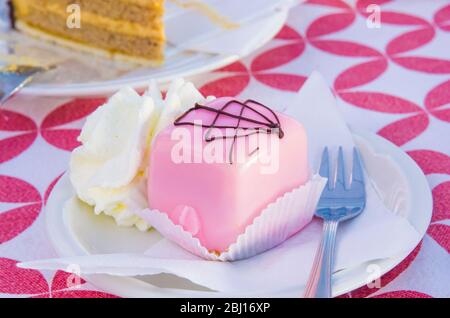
x=217, y=201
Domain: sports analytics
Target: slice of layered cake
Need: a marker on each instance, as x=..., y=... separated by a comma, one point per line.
x=126, y=29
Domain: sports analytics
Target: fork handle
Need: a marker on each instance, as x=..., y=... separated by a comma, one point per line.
x=319, y=284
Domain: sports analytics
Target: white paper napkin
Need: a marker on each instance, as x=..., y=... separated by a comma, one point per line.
x=287, y=266
x=192, y=29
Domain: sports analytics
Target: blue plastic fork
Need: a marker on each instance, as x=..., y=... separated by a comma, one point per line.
x=339, y=202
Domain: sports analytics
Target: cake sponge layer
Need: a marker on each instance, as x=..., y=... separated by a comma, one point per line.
x=126, y=10
x=117, y=36
x=90, y=35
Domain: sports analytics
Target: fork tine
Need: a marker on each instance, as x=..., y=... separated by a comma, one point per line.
x=336, y=204
x=324, y=170
x=340, y=169
x=357, y=172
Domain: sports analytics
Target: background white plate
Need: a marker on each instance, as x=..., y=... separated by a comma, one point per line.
x=84, y=74
x=398, y=180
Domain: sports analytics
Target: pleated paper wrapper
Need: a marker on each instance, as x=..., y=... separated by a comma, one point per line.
x=277, y=222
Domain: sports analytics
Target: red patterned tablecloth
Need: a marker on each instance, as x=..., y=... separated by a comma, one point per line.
x=393, y=81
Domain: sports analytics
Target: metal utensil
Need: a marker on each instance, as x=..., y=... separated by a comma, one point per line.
x=15, y=77
x=339, y=202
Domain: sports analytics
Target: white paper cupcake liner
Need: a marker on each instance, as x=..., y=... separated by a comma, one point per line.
x=277, y=222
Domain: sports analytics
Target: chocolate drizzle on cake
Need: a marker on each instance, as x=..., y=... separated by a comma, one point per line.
x=266, y=125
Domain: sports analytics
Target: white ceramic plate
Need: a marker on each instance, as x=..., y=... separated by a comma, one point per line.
x=82, y=74
x=398, y=180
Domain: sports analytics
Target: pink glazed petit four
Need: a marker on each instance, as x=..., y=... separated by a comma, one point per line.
x=219, y=165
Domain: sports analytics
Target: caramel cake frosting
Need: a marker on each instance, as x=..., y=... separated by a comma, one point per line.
x=130, y=29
